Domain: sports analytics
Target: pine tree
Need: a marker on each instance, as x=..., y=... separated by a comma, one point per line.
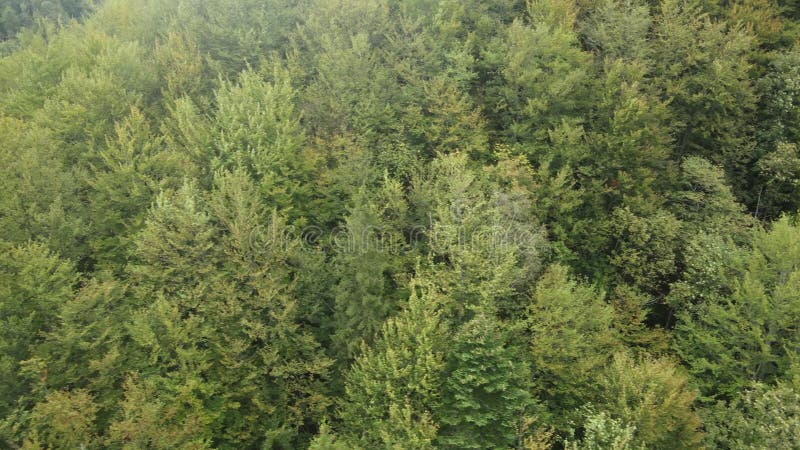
x=703, y=201
x=354, y=87
x=646, y=249
x=34, y=284
x=181, y=67
x=779, y=108
x=91, y=97
x=175, y=275
x=629, y=138
x=571, y=339
x=176, y=251
x=485, y=392
x=744, y=331
x=401, y=372
x=367, y=258
x=481, y=239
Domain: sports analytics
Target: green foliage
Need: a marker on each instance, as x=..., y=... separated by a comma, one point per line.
x=15, y=14
x=123, y=183
x=479, y=235
x=399, y=376
x=257, y=128
x=619, y=29
x=541, y=62
x=485, y=391
x=35, y=283
x=646, y=248
x=745, y=330
x=653, y=397
x=779, y=99
x=704, y=201
x=703, y=72
x=781, y=168
x=326, y=440
x=63, y=420
x=399, y=224
x=571, y=340
x=223, y=317
x=629, y=138
x=40, y=201
x=763, y=417
x=367, y=258
x=602, y=432
x=148, y=421
x=406, y=429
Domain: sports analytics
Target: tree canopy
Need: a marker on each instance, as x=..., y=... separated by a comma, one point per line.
x=384, y=224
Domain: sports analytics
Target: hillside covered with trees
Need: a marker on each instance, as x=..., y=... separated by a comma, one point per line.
x=400, y=224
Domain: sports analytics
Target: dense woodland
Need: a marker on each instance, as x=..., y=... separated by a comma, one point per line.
x=399, y=224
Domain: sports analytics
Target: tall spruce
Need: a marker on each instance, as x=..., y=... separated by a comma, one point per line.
x=400, y=374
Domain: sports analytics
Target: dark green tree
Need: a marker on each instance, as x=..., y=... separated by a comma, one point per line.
x=571, y=339
x=737, y=326
x=35, y=284
x=367, y=259
x=400, y=375
x=485, y=392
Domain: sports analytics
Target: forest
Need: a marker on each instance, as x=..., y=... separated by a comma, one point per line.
x=400, y=224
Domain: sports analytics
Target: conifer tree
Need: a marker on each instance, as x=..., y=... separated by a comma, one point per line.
x=222, y=314
x=269, y=365
x=89, y=347
x=368, y=256
x=210, y=211
x=63, y=420
x=40, y=200
x=123, y=181
x=35, y=283
x=629, y=138
x=645, y=249
x=400, y=375
x=485, y=392
x=602, y=432
x=149, y=420
x=618, y=29
x=744, y=331
x=571, y=339
x=326, y=439
x=763, y=416
x=482, y=244
x=541, y=61
x=174, y=274
x=407, y=429
x=703, y=201
x=257, y=128
x=703, y=71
